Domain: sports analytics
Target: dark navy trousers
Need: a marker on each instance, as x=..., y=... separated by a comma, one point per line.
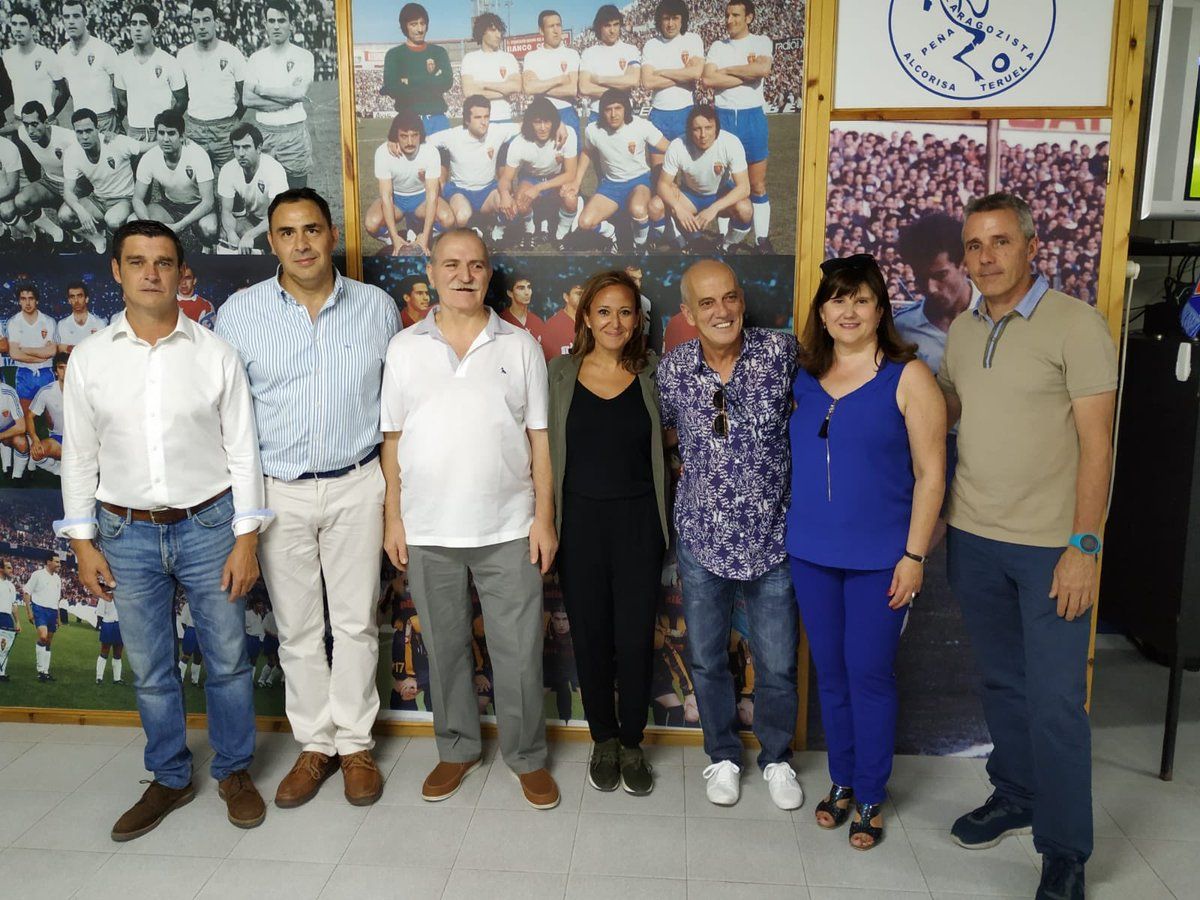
x=1034, y=668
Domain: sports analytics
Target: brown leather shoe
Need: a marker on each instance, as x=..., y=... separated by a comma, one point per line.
x=540, y=790
x=446, y=778
x=144, y=816
x=302, y=783
x=363, y=780
x=242, y=800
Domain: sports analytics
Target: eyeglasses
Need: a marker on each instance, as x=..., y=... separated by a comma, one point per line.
x=858, y=261
x=721, y=422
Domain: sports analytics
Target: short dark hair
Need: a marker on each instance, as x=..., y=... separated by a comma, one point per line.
x=35, y=107
x=145, y=228
x=282, y=6
x=747, y=5
x=539, y=107
x=672, y=8
x=708, y=111
x=546, y=13
x=475, y=101
x=635, y=352
x=515, y=278
x=80, y=3
x=210, y=5
x=148, y=10
x=246, y=129
x=22, y=10
x=84, y=113
x=605, y=14
x=408, y=282
x=611, y=96
x=483, y=22
x=27, y=287
x=410, y=12
x=406, y=120
x=922, y=241
x=60, y=359
x=300, y=195
x=172, y=118
x=78, y=285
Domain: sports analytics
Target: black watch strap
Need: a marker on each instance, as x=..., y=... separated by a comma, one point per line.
x=915, y=558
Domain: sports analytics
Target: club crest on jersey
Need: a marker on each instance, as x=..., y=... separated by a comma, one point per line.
x=158, y=71
x=558, y=158
x=190, y=172
x=91, y=58
x=718, y=168
x=291, y=64
x=45, y=334
x=224, y=62
x=621, y=62
x=37, y=64
x=491, y=152
x=262, y=186
x=632, y=147
x=563, y=65
x=58, y=152
x=421, y=174
x=112, y=163
x=685, y=56
x=504, y=71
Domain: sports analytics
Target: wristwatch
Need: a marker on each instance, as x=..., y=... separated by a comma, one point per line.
x=1086, y=542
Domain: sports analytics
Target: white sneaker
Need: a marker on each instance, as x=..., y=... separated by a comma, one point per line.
x=724, y=787
x=784, y=788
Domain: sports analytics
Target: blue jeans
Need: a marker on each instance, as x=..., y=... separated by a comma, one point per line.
x=1034, y=668
x=148, y=561
x=708, y=602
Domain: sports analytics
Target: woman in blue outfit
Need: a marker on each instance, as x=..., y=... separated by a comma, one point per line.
x=868, y=440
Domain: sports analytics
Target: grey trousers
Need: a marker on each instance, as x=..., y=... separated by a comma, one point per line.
x=510, y=592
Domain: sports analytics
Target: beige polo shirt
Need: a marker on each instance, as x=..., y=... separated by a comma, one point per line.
x=1018, y=449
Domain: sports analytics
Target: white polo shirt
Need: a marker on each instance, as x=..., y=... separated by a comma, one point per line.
x=463, y=451
x=673, y=54
x=729, y=52
x=541, y=160
x=88, y=72
x=473, y=161
x=50, y=157
x=545, y=62
x=623, y=152
x=182, y=183
x=258, y=190
x=33, y=75
x=494, y=65
x=23, y=333
x=71, y=332
x=607, y=62
x=148, y=84
x=211, y=77
x=111, y=174
x=291, y=67
x=48, y=401
x=703, y=173
x=44, y=589
x=408, y=176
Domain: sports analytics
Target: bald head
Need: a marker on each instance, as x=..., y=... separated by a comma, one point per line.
x=454, y=237
x=705, y=274
x=713, y=304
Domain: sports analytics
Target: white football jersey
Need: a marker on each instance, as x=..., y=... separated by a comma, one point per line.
x=23, y=333
x=8, y=597
x=10, y=406
x=44, y=589
x=703, y=173
x=211, y=78
x=182, y=183
x=547, y=63
x=50, y=157
x=106, y=610
x=408, y=176
x=71, y=332
x=33, y=75
x=608, y=61
x=148, y=84
x=473, y=161
x=48, y=401
x=496, y=65
x=291, y=67
x=10, y=158
x=89, y=72
x=737, y=53
x=258, y=190
x=111, y=174
x=622, y=153
x=673, y=54
x=541, y=160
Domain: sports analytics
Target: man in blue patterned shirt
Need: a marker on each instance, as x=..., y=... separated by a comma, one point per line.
x=727, y=395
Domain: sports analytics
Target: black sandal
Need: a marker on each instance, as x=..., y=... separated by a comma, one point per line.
x=866, y=812
x=830, y=807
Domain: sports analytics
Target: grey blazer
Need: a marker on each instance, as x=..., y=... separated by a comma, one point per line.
x=564, y=372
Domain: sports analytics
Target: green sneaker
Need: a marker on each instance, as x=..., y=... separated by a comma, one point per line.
x=604, y=773
x=635, y=772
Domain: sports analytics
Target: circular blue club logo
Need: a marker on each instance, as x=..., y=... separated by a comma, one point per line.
x=970, y=49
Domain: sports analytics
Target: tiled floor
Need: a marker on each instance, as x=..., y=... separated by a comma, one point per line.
x=61, y=787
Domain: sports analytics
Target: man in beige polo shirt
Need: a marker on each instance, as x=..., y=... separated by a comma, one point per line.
x=1031, y=375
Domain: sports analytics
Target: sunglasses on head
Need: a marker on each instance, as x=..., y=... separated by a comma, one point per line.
x=857, y=262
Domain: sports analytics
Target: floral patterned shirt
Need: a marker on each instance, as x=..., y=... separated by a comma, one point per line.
x=733, y=495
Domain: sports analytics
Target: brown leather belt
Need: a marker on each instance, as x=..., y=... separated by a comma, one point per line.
x=164, y=515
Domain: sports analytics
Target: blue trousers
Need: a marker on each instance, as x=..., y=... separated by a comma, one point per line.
x=852, y=637
x=708, y=602
x=1034, y=668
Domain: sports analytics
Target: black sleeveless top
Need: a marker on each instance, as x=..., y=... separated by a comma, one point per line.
x=608, y=445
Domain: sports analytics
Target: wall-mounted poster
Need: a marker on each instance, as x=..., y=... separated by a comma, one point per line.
x=915, y=54
x=195, y=114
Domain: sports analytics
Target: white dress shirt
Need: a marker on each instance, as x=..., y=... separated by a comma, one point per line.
x=163, y=425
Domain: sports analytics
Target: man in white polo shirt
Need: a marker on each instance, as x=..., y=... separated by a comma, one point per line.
x=179, y=171
x=42, y=592
x=277, y=81
x=490, y=71
x=215, y=73
x=148, y=79
x=88, y=64
x=246, y=185
x=466, y=461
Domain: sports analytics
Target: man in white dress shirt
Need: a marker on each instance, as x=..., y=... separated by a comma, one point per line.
x=89, y=65
x=161, y=470
x=179, y=173
x=277, y=81
x=148, y=79
x=490, y=71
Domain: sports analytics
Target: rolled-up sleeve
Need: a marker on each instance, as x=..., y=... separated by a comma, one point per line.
x=80, y=456
x=240, y=440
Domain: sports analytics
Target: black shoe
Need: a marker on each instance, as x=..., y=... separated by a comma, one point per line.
x=99, y=681
x=50, y=677
x=42, y=676
x=1062, y=879
x=118, y=681
x=764, y=247
x=3, y=678
x=991, y=823
x=604, y=767
x=636, y=777
x=829, y=806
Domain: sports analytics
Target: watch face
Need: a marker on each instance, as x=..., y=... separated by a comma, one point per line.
x=1089, y=543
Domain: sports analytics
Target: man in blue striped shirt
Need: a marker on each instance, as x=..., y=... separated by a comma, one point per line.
x=313, y=344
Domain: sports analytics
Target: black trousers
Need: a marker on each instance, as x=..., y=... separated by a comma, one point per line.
x=609, y=568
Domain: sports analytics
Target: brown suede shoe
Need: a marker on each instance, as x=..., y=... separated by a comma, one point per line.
x=242, y=800
x=446, y=778
x=302, y=783
x=144, y=816
x=363, y=780
x=540, y=790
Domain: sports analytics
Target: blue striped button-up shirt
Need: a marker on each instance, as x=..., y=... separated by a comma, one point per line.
x=315, y=383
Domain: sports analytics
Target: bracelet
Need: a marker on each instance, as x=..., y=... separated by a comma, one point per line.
x=915, y=558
